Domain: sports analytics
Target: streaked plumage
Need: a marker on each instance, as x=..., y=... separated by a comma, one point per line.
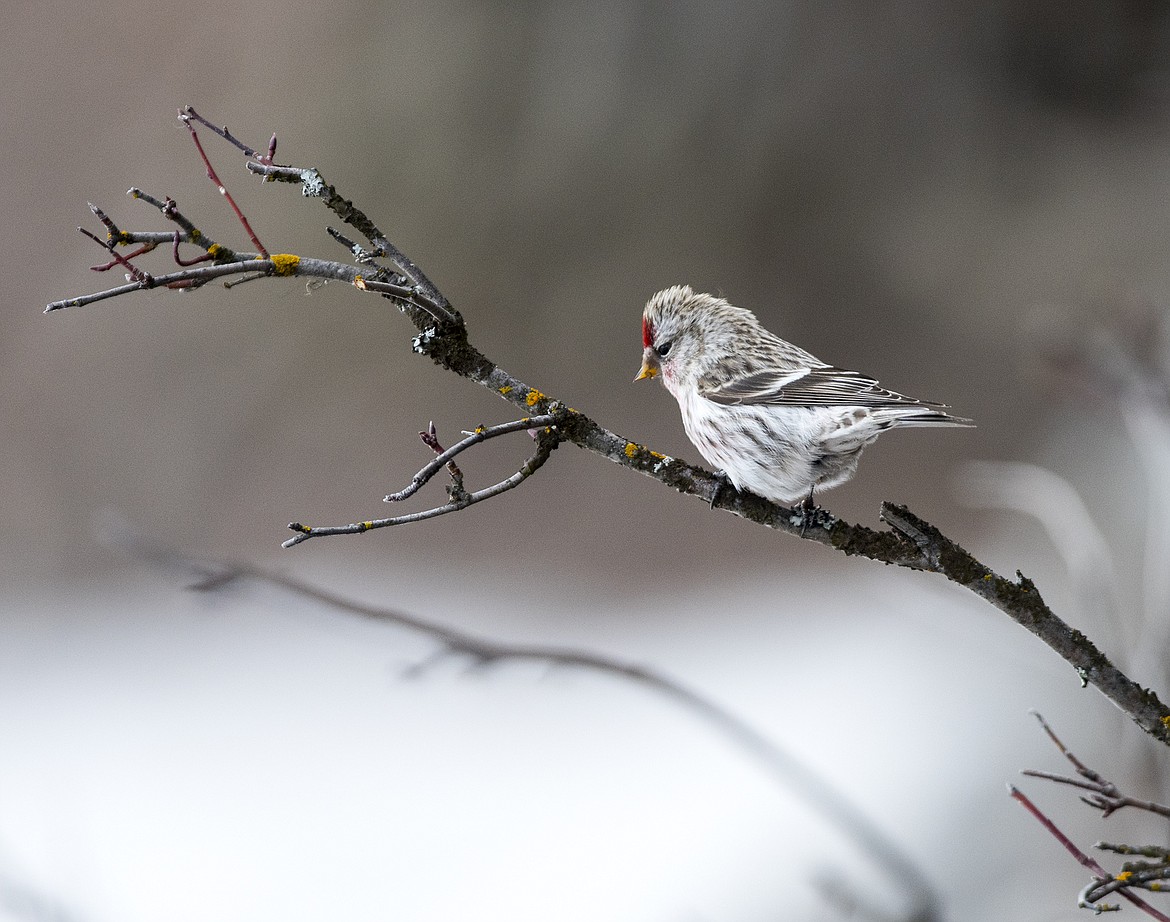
x=777, y=420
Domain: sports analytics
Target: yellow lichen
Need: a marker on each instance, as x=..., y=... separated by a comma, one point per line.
x=506, y=389
x=367, y=525
x=631, y=449
x=656, y=456
x=194, y=234
x=1166, y=721
x=534, y=397
x=1124, y=875
x=285, y=263
x=214, y=250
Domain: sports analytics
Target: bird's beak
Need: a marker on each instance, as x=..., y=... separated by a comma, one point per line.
x=650, y=366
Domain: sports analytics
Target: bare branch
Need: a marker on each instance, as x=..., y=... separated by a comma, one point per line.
x=313, y=185
x=1150, y=851
x=481, y=434
x=546, y=442
x=1057, y=506
x=1106, y=796
x=133, y=271
x=185, y=116
x=360, y=254
x=430, y=438
x=189, y=113
x=1102, y=876
x=442, y=336
x=1146, y=879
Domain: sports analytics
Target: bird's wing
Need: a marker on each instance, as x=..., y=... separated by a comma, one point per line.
x=815, y=386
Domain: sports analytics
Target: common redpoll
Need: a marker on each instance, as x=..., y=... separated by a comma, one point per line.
x=774, y=419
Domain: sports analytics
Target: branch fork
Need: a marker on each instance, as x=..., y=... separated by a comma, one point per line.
x=1107, y=797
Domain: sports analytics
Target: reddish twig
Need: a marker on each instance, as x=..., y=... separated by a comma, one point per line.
x=136, y=274
x=186, y=119
x=114, y=261
x=1102, y=876
x=431, y=439
x=206, y=257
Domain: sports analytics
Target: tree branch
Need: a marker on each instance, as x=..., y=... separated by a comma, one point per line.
x=546, y=441
x=443, y=337
x=1107, y=797
x=1102, y=876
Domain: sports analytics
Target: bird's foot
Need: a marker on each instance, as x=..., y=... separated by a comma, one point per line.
x=807, y=514
x=721, y=481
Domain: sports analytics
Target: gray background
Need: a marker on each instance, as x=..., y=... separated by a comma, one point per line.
x=933, y=193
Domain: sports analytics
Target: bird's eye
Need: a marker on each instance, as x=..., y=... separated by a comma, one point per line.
x=663, y=348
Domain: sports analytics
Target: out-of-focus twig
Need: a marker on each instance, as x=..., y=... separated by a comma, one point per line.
x=1104, y=794
x=922, y=900
x=1107, y=797
x=1102, y=876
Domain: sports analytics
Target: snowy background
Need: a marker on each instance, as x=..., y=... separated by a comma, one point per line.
x=963, y=199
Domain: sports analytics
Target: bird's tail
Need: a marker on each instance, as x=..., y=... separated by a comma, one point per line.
x=922, y=416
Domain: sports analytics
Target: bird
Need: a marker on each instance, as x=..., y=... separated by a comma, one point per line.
x=773, y=419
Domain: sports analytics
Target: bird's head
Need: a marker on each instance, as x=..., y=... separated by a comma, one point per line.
x=682, y=332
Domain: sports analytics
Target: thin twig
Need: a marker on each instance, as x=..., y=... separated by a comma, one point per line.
x=280, y=264
x=117, y=257
x=1149, y=851
x=314, y=185
x=1146, y=879
x=186, y=118
x=1102, y=876
x=413, y=293
x=1106, y=796
x=136, y=274
x=360, y=254
x=190, y=113
x=430, y=438
x=545, y=443
x=481, y=434
x=112, y=231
